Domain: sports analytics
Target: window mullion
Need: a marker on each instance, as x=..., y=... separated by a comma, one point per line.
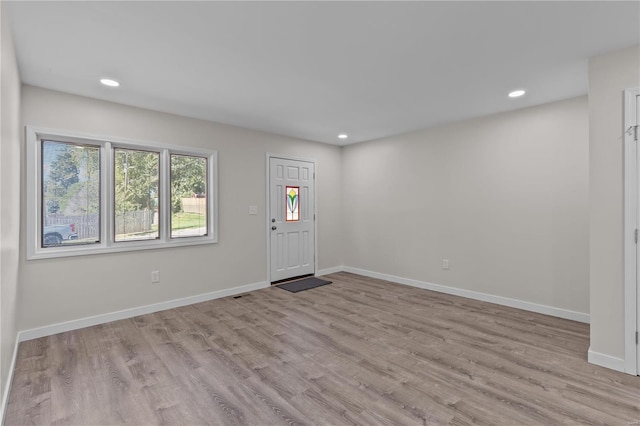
x=107, y=196
x=164, y=205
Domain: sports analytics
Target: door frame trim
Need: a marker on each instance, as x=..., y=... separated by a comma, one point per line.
x=631, y=211
x=267, y=214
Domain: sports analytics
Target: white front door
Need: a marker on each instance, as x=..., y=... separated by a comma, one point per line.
x=292, y=217
x=637, y=123
x=631, y=227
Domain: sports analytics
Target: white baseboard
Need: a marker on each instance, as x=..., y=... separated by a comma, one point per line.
x=7, y=385
x=607, y=361
x=328, y=271
x=514, y=303
x=141, y=310
x=49, y=330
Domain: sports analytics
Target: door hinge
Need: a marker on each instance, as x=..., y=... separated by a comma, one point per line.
x=635, y=237
x=636, y=337
x=314, y=216
x=314, y=173
x=635, y=133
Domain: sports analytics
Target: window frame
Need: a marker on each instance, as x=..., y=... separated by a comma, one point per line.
x=107, y=145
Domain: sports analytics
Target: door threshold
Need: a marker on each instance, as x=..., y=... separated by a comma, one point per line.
x=288, y=280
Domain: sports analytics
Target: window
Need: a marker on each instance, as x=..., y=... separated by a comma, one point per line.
x=136, y=188
x=89, y=195
x=188, y=196
x=70, y=194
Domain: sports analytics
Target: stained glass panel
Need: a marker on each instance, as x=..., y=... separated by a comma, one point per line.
x=293, y=204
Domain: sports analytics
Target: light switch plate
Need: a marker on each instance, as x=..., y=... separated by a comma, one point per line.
x=253, y=209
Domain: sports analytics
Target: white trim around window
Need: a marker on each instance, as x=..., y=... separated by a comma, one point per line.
x=107, y=244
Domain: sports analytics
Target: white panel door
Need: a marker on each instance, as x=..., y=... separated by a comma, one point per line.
x=638, y=251
x=292, y=216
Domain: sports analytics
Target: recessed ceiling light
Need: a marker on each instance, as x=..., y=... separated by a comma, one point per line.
x=516, y=93
x=109, y=82
x=342, y=136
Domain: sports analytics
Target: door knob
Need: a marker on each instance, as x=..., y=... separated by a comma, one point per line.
x=273, y=228
x=273, y=220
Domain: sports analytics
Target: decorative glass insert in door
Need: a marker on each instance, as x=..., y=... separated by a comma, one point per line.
x=293, y=204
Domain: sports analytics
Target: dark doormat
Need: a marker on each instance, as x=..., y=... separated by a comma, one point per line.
x=305, y=284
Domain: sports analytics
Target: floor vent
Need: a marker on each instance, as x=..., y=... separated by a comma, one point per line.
x=242, y=295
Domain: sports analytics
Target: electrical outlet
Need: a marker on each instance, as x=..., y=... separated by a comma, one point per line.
x=155, y=277
x=445, y=263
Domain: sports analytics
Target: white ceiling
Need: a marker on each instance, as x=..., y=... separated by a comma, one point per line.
x=314, y=69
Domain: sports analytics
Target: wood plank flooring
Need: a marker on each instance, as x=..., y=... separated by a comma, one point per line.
x=357, y=352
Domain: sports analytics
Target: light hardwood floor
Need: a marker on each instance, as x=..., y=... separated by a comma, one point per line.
x=357, y=352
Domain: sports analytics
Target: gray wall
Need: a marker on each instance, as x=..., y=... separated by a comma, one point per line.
x=56, y=290
x=9, y=195
x=609, y=75
x=504, y=198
